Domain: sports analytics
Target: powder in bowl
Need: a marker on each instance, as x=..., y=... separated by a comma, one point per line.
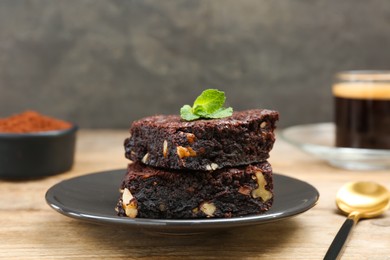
x=33, y=145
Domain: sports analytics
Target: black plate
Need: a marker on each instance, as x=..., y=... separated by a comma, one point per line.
x=93, y=198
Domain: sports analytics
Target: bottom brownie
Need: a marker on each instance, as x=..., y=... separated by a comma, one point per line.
x=148, y=192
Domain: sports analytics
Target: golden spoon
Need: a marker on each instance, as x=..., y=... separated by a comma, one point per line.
x=358, y=200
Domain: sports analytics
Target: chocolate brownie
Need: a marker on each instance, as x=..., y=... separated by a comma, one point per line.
x=149, y=192
x=167, y=141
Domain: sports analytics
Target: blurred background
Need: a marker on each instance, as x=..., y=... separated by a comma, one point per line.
x=103, y=64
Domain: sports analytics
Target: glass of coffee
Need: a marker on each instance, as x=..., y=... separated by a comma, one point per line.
x=362, y=109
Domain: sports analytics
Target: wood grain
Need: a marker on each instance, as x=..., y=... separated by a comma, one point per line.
x=30, y=229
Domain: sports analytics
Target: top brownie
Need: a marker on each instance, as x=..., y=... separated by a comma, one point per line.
x=167, y=141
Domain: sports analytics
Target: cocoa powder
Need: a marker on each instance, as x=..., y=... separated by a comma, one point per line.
x=31, y=122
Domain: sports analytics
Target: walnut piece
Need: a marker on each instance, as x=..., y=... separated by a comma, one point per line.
x=208, y=208
x=129, y=204
x=165, y=149
x=211, y=167
x=191, y=138
x=260, y=191
x=245, y=190
x=145, y=158
x=183, y=152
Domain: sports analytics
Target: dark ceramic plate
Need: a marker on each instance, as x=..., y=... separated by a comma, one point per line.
x=93, y=198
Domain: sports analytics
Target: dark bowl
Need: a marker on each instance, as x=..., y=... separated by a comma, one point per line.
x=34, y=155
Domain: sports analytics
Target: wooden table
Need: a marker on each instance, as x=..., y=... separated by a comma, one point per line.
x=30, y=229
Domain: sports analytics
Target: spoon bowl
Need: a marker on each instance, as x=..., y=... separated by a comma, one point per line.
x=357, y=200
x=368, y=199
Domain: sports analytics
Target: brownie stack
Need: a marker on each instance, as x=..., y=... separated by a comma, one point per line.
x=203, y=168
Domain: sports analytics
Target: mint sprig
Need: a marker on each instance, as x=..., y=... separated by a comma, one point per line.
x=208, y=105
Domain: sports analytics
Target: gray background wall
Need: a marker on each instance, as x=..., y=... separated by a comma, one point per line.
x=106, y=63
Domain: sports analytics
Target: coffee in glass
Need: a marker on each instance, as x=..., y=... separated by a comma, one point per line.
x=362, y=109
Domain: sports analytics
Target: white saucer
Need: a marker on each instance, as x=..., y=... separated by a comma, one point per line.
x=318, y=139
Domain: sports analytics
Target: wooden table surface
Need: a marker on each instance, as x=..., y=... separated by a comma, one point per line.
x=30, y=229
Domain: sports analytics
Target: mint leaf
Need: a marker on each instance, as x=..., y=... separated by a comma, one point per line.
x=209, y=101
x=208, y=105
x=221, y=113
x=186, y=113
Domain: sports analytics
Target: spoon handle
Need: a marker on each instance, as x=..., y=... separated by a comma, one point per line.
x=339, y=241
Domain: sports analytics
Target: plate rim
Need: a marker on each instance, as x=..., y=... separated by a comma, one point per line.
x=147, y=223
